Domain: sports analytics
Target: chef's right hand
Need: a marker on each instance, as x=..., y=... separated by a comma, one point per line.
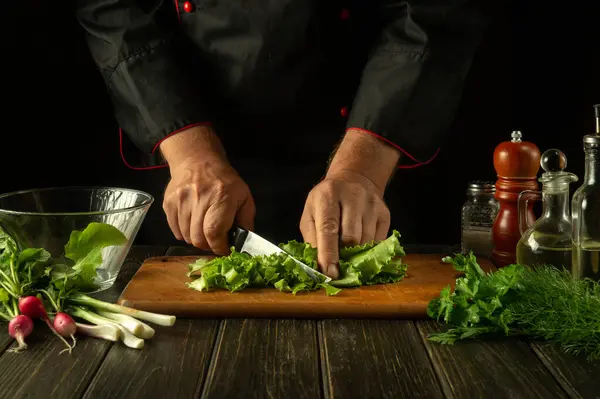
x=205, y=194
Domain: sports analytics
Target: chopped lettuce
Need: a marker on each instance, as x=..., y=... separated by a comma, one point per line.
x=368, y=264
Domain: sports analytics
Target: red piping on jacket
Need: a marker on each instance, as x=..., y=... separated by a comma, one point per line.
x=127, y=163
x=176, y=2
x=179, y=130
x=418, y=163
x=155, y=146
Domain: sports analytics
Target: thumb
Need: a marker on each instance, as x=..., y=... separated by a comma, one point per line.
x=246, y=213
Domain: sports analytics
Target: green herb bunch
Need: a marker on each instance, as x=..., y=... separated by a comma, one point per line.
x=541, y=302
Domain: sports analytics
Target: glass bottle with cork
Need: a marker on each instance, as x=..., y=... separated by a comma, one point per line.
x=585, y=210
x=548, y=241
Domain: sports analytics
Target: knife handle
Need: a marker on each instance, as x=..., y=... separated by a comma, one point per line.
x=237, y=237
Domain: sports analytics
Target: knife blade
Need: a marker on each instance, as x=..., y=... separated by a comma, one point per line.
x=253, y=244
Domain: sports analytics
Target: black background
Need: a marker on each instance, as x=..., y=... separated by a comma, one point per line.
x=535, y=72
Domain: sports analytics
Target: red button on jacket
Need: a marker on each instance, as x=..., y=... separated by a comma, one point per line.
x=344, y=111
x=188, y=6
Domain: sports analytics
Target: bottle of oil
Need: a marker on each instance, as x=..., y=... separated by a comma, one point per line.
x=548, y=241
x=586, y=211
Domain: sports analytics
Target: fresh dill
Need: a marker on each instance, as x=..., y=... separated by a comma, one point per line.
x=541, y=302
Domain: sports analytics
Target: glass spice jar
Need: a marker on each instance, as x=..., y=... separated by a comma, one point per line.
x=477, y=219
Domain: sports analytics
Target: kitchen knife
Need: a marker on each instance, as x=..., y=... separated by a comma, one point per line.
x=253, y=244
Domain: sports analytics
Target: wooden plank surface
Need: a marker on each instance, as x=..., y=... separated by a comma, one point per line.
x=576, y=375
x=5, y=339
x=159, y=286
x=506, y=368
x=171, y=365
x=42, y=372
x=376, y=359
x=279, y=358
x=257, y=358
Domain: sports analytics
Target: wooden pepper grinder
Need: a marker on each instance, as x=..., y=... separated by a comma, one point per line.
x=517, y=164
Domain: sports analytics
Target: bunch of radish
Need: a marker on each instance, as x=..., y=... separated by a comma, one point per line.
x=28, y=273
x=109, y=321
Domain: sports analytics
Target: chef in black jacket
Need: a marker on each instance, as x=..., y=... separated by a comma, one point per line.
x=246, y=100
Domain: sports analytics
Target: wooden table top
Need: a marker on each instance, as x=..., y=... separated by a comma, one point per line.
x=261, y=358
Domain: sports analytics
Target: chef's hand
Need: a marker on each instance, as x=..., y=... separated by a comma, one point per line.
x=347, y=206
x=205, y=194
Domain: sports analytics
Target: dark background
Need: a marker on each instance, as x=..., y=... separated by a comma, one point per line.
x=534, y=72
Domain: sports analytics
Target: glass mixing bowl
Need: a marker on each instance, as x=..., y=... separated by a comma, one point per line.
x=45, y=218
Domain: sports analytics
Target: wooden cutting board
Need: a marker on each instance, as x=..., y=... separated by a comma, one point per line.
x=159, y=286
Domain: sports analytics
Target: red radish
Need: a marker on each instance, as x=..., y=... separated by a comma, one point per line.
x=33, y=307
x=65, y=326
x=19, y=328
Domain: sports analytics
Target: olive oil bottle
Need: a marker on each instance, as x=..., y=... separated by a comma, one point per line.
x=586, y=261
x=586, y=210
x=549, y=240
x=558, y=253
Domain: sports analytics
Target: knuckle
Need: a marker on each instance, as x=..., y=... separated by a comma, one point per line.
x=182, y=192
x=356, y=190
x=312, y=198
x=373, y=200
x=199, y=244
x=220, y=190
x=350, y=238
x=329, y=257
x=385, y=212
x=198, y=239
x=327, y=188
x=306, y=228
x=213, y=230
x=303, y=225
x=385, y=218
x=329, y=226
x=179, y=196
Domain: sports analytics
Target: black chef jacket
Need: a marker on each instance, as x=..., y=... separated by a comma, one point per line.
x=280, y=80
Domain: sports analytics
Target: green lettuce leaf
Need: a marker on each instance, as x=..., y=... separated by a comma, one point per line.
x=84, y=249
x=373, y=263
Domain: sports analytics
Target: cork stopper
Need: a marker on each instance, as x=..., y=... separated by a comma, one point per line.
x=517, y=159
x=592, y=141
x=597, y=116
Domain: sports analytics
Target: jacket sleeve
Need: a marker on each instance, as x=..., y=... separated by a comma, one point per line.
x=411, y=85
x=142, y=57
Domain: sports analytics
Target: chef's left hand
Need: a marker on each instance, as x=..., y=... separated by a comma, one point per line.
x=344, y=207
